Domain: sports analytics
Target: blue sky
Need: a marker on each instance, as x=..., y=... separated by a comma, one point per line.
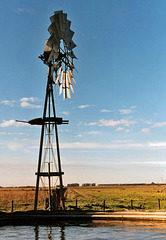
x=117, y=130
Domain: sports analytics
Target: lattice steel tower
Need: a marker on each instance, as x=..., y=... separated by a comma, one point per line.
x=58, y=56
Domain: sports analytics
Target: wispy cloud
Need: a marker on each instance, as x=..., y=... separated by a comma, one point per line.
x=157, y=144
x=105, y=110
x=145, y=130
x=159, y=124
x=123, y=141
x=93, y=132
x=29, y=105
x=155, y=124
x=127, y=110
x=65, y=113
x=30, y=11
x=8, y=102
x=119, y=144
x=11, y=133
x=79, y=136
x=23, y=102
x=2, y=133
x=120, y=129
x=22, y=145
x=112, y=123
x=30, y=99
x=93, y=145
x=85, y=106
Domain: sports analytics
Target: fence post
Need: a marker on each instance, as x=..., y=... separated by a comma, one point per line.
x=131, y=204
x=159, y=203
x=12, y=206
x=104, y=205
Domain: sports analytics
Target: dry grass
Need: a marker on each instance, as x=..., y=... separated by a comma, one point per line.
x=145, y=197
x=23, y=199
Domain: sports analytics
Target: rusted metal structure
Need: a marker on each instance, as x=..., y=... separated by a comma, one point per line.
x=58, y=56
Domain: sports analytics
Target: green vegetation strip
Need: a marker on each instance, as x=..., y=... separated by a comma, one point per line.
x=111, y=198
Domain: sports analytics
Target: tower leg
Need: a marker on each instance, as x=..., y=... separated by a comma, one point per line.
x=39, y=166
x=58, y=155
x=41, y=148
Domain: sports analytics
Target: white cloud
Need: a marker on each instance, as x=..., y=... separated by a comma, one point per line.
x=114, y=123
x=127, y=130
x=122, y=141
x=155, y=124
x=120, y=129
x=25, y=10
x=65, y=113
x=157, y=144
x=8, y=103
x=105, y=110
x=22, y=145
x=148, y=122
x=79, y=136
x=8, y=123
x=91, y=124
x=159, y=124
x=119, y=144
x=15, y=145
x=24, y=102
x=93, y=145
x=12, y=122
x=93, y=132
x=30, y=99
x=145, y=130
x=125, y=111
x=85, y=106
x=2, y=133
x=29, y=105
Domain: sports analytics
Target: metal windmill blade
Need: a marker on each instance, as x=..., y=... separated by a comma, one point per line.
x=71, y=45
x=72, y=55
x=68, y=36
x=57, y=19
x=52, y=43
x=53, y=30
x=58, y=52
x=60, y=29
x=64, y=17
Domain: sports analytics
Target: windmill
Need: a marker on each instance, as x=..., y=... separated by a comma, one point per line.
x=58, y=55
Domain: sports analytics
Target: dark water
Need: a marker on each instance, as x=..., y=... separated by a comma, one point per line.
x=105, y=230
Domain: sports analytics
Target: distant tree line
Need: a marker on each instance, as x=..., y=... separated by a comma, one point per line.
x=107, y=184
x=83, y=185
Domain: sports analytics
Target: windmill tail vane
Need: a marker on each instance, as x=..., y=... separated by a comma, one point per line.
x=58, y=53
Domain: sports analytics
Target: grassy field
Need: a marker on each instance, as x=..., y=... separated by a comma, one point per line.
x=139, y=197
x=144, y=197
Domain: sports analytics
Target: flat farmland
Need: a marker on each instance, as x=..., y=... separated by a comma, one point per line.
x=139, y=197
x=123, y=197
